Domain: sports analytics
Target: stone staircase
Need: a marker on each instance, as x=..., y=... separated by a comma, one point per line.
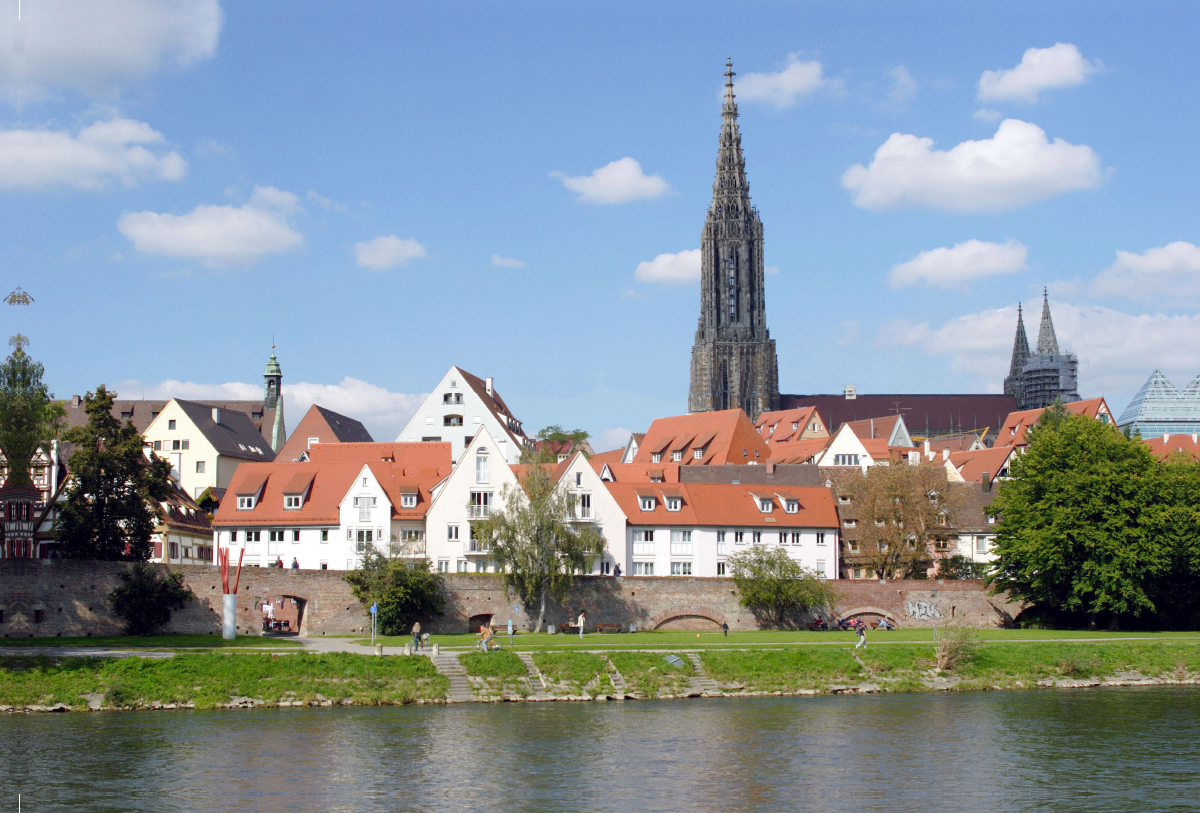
x=535, y=677
x=618, y=680
x=460, y=688
x=702, y=684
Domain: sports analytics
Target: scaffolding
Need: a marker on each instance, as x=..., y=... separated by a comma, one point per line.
x=1048, y=378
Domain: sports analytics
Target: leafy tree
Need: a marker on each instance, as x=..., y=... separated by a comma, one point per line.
x=1175, y=521
x=1081, y=520
x=144, y=599
x=406, y=590
x=552, y=439
x=112, y=497
x=901, y=512
x=535, y=540
x=30, y=418
x=774, y=585
x=960, y=567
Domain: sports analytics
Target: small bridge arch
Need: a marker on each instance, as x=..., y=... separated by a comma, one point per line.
x=865, y=609
x=688, y=616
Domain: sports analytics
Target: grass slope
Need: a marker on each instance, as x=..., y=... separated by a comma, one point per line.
x=165, y=642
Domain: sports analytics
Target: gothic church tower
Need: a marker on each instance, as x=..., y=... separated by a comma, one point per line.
x=733, y=358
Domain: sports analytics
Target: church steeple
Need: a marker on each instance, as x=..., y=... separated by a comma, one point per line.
x=1047, y=342
x=1020, y=355
x=733, y=359
x=273, y=400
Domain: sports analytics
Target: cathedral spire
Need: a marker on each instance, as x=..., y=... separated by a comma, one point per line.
x=1047, y=344
x=1020, y=355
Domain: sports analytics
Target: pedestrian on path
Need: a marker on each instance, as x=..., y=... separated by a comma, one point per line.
x=581, y=621
x=416, y=633
x=725, y=628
x=862, y=636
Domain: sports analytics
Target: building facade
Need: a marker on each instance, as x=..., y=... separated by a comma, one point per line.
x=1159, y=410
x=733, y=358
x=455, y=411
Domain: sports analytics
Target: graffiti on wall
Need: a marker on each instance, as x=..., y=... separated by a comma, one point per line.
x=921, y=610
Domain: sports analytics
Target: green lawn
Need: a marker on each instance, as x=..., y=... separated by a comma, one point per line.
x=575, y=672
x=650, y=674
x=155, y=642
x=210, y=679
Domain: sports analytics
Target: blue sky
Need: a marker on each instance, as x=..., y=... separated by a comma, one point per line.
x=388, y=189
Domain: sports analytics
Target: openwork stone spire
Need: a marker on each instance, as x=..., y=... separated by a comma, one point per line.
x=1047, y=342
x=733, y=359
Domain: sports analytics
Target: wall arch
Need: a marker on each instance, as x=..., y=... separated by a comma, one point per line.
x=687, y=611
x=869, y=608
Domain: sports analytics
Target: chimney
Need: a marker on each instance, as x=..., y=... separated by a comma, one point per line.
x=1193, y=437
x=945, y=454
x=487, y=384
x=851, y=392
x=75, y=400
x=928, y=453
x=1166, y=438
x=986, y=479
x=216, y=415
x=770, y=468
x=872, y=427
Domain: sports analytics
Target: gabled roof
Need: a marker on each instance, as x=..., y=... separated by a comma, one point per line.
x=1017, y=425
x=142, y=413
x=326, y=426
x=734, y=439
x=776, y=427
x=180, y=513
x=495, y=404
x=637, y=472
x=970, y=466
x=1167, y=445
x=799, y=451
x=724, y=505
x=935, y=414
x=235, y=434
x=409, y=456
x=608, y=457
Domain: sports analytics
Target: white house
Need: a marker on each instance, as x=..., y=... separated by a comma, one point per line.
x=458, y=408
x=205, y=444
x=850, y=450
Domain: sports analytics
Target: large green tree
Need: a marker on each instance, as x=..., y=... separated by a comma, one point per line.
x=112, y=496
x=535, y=540
x=1082, y=520
x=405, y=590
x=775, y=587
x=30, y=418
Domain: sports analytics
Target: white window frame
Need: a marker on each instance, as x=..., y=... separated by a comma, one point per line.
x=681, y=568
x=674, y=503
x=245, y=503
x=677, y=455
x=293, y=502
x=408, y=500
x=681, y=542
x=481, y=466
x=647, y=503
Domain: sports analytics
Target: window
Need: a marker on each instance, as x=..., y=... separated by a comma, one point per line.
x=792, y=506
x=681, y=543
x=643, y=568
x=578, y=478
x=981, y=544
x=233, y=536
x=991, y=520
x=720, y=543
x=698, y=454
x=849, y=523
x=175, y=445
x=643, y=543
x=365, y=534
x=412, y=535
x=879, y=523
x=765, y=504
x=758, y=537
x=674, y=503
x=681, y=568
x=853, y=546
x=462, y=566
x=349, y=535
x=431, y=439
x=481, y=504
x=452, y=420
x=739, y=537
x=325, y=535
x=185, y=445
x=844, y=499
x=274, y=536
x=158, y=445
x=845, y=460
x=467, y=441
x=820, y=538
x=656, y=457
x=170, y=424
x=245, y=503
x=324, y=564
x=820, y=568
x=292, y=501
x=408, y=500
x=720, y=568
x=364, y=505
x=443, y=565
x=452, y=533
x=481, y=466
x=585, y=506
x=677, y=455
x=253, y=536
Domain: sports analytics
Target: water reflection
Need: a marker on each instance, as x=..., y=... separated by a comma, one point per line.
x=1110, y=750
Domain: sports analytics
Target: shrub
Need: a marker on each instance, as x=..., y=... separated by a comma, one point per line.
x=955, y=646
x=144, y=599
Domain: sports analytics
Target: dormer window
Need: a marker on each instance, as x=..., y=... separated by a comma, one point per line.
x=677, y=455
x=792, y=506
x=698, y=454
x=647, y=503
x=850, y=523
x=674, y=503
x=408, y=500
x=844, y=499
x=765, y=504
x=561, y=457
x=656, y=457
x=293, y=502
x=246, y=503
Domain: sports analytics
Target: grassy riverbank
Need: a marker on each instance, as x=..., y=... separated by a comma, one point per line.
x=157, y=642
x=214, y=680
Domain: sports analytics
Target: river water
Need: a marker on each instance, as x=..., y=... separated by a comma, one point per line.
x=1090, y=750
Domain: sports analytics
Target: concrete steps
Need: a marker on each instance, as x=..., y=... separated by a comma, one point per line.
x=701, y=682
x=534, y=677
x=460, y=688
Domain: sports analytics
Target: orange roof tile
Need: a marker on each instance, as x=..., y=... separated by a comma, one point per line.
x=972, y=465
x=1017, y=424
x=1167, y=445
x=798, y=451
x=734, y=439
x=869, y=428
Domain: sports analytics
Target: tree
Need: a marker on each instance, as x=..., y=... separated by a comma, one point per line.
x=30, y=418
x=114, y=490
x=536, y=542
x=960, y=567
x=144, y=599
x=900, y=512
x=1081, y=518
x=550, y=441
x=772, y=584
x=406, y=590
x=1175, y=521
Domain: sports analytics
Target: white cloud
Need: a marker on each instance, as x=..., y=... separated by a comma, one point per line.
x=671, y=269
x=95, y=45
x=385, y=413
x=219, y=236
x=1016, y=167
x=782, y=88
x=1117, y=351
x=324, y=202
x=952, y=267
x=1059, y=66
x=618, y=182
x=903, y=88
x=123, y=151
x=610, y=439
x=984, y=114
x=506, y=262
x=1166, y=273
x=387, y=252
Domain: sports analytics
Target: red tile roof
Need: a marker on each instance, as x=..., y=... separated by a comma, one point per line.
x=869, y=428
x=1017, y=425
x=798, y=451
x=734, y=439
x=1167, y=445
x=972, y=465
x=325, y=425
x=639, y=472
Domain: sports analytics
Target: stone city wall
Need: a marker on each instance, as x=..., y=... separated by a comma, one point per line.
x=49, y=597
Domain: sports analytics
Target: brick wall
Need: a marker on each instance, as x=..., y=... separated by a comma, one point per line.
x=70, y=598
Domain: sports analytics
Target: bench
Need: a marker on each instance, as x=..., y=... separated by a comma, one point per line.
x=608, y=628
x=567, y=629
x=890, y=625
x=817, y=626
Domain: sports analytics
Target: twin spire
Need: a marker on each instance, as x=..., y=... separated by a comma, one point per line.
x=1047, y=343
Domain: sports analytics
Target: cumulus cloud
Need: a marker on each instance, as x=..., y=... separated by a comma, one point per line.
x=1059, y=66
x=385, y=413
x=219, y=236
x=1017, y=166
x=617, y=182
x=506, y=262
x=324, y=202
x=1117, y=351
x=1170, y=271
x=671, y=269
x=387, y=252
x=797, y=79
x=96, y=45
x=963, y=262
x=121, y=151
x=902, y=90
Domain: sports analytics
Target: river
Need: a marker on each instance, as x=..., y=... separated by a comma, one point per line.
x=1084, y=750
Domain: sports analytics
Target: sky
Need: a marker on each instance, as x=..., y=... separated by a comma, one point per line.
x=384, y=190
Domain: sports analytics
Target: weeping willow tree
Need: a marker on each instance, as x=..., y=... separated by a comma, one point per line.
x=536, y=542
x=30, y=418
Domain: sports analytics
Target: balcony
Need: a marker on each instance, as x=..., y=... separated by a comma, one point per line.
x=477, y=547
x=479, y=511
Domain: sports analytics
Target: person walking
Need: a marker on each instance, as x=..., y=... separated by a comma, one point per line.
x=581, y=622
x=862, y=636
x=295, y=563
x=725, y=628
x=416, y=634
x=617, y=570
